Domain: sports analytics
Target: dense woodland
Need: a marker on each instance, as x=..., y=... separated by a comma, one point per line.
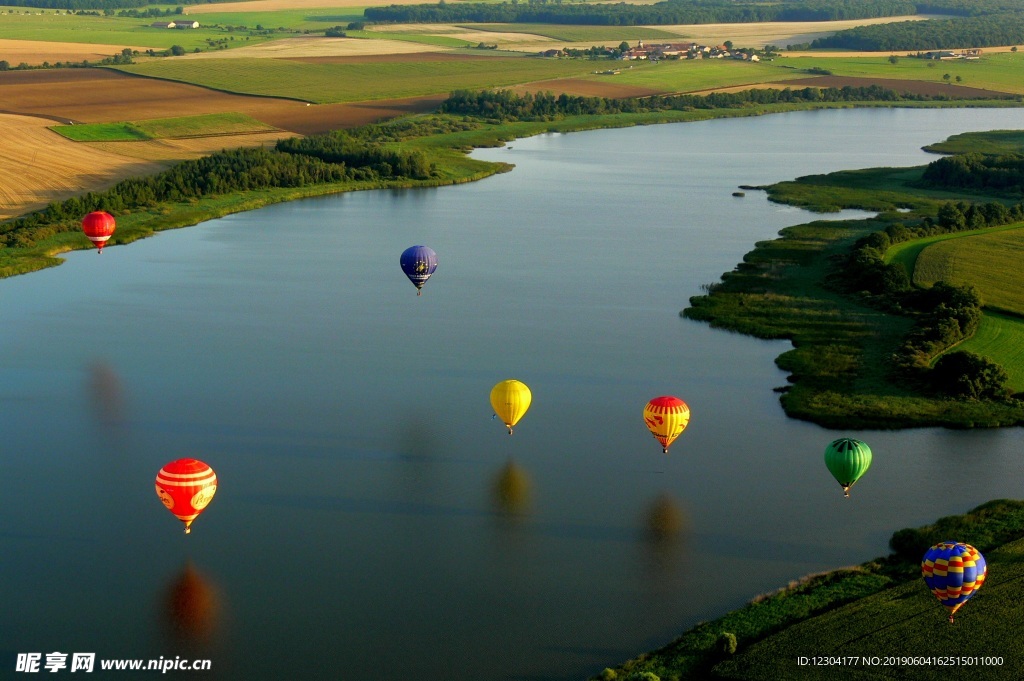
x=982, y=172
x=505, y=105
x=937, y=34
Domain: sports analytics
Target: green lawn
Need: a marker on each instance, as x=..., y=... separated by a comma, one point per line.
x=990, y=261
x=996, y=71
x=163, y=128
x=907, y=252
x=1001, y=339
x=328, y=83
x=692, y=75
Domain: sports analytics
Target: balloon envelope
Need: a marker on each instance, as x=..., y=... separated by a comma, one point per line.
x=666, y=417
x=98, y=226
x=954, y=571
x=186, y=487
x=510, y=400
x=418, y=263
x=847, y=459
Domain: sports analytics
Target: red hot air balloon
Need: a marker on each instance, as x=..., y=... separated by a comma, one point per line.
x=185, y=487
x=98, y=226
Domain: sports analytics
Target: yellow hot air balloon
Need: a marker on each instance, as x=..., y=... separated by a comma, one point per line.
x=666, y=417
x=510, y=400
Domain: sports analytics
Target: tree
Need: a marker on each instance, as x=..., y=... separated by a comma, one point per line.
x=177, y=50
x=1013, y=49
x=4, y=65
x=893, y=59
x=965, y=374
x=623, y=46
x=946, y=77
x=959, y=79
x=728, y=44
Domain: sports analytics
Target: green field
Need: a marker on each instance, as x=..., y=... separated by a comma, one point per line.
x=1002, y=71
x=328, y=83
x=51, y=26
x=1001, y=339
x=905, y=621
x=990, y=142
x=164, y=128
x=694, y=75
x=598, y=35
x=908, y=252
x=990, y=261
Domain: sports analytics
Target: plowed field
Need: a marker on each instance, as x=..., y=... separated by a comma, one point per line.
x=104, y=96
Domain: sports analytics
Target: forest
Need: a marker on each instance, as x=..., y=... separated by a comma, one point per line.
x=938, y=34
x=678, y=11
x=985, y=172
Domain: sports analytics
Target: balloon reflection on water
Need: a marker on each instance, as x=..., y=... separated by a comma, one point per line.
x=191, y=607
x=512, y=490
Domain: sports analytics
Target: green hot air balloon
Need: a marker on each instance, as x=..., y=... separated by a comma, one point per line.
x=847, y=459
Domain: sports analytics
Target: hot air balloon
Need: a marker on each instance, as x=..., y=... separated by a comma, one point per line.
x=666, y=417
x=418, y=263
x=98, y=226
x=510, y=400
x=186, y=487
x=954, y=571
x=847, y=459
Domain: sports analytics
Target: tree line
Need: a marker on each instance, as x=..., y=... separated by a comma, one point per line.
x=623, y=14
x=979, y=31
x=505, y=105
x=317, y=159
x=977, y=171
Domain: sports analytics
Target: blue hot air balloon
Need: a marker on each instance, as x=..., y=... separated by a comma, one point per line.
x=954, y=571
x=418, y=263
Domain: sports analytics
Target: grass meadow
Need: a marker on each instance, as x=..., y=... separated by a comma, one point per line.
x=353, y=82
x=996, y=71
x=1001, y=339
x=686, y=75
x=164, y=128
x=904, y=621
x=991, y=261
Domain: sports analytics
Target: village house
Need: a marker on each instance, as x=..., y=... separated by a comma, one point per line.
x=175, y=24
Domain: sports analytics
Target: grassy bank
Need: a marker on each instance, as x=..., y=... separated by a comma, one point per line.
x=881, y=607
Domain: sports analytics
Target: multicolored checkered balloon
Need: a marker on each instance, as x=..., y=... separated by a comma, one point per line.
x=954, y=571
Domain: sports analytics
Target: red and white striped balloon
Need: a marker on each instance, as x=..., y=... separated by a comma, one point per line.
x=186, y=487
x=98, y=226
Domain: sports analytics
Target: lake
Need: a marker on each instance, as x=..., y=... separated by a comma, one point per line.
x=373, y=521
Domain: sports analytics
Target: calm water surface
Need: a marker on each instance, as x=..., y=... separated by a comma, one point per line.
x=372, y=520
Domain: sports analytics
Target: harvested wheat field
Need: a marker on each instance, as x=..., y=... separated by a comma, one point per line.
x=319, y=46
x=778, y=33
x=35, y=52
x=507, y=40
x=40, y=166
x=105, y=96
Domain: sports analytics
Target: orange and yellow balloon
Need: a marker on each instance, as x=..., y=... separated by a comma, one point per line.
x=186, y=487
x=510, y=400
x=666, y=417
